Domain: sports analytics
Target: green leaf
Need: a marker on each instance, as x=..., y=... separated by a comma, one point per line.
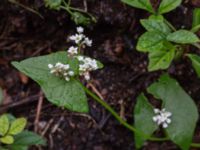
x=183, y=37
x=143, y=114
x=168, y=5
x=150, y=41
x=196, y=17
x=19, y=147
x=142, y=4
x=70, y=94
x=1, y=95
x=80, y=19
x=53, y=4
x=4, y=124
x=27, y=138
x=155, y=24
x=2, y=148
x=195, y=62
x=17, y=126
x=183, y=109
x=8, y=139
x=161, y=59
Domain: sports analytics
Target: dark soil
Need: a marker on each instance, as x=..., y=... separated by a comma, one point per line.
x=24, y=34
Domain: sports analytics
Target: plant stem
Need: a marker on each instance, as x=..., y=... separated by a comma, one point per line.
x=83, y=11
x=67, y=9
x=123, y=122
x=197, y=145
x=127, y=125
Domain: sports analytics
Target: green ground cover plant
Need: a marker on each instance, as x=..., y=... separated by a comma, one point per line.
x=14, y=137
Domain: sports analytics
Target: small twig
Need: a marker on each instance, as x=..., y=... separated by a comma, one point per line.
x=56, y=126
x=39, y=107
x=85, y=5
x=95, y=90
x=47, y=127
x=30, y=99
x=27, y=8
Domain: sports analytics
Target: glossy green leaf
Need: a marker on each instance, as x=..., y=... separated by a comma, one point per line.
x=196, y=17
x=7, y=139
x=155, y=24
x=143, y=114
x=150, y=41
x=1, y=95
x=142, y=4
x=183, y=37
x=161, y=59
x=27, y=138
x=195, y=62
x=183, y=109
x=168, y=5
x=70, y=94
x=4, y=124
x=17, y=126
x=53, y=4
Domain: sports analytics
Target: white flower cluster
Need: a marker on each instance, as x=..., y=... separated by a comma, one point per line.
x=86, y=65
x=80, y=38
x=61, y=70
x=162, y=117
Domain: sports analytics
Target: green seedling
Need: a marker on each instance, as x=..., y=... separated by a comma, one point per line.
x=79, y=16
x=14, y=137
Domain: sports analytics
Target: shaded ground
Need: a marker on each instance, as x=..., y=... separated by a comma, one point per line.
x=24, y=34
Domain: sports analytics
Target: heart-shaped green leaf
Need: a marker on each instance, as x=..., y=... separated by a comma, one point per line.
x=4, y=125
x=17, y=126
x=168, y=5
x=142, y=4
x=183, y=109
x=183, y=37
x=195, y=62
x=70, y=94
x=143, y=114
x=150, y=41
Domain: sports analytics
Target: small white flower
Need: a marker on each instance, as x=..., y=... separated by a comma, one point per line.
x=80, y=58
x=164, y=125
x=162, y=117
x=87, y=42
x=77, y=38
x=67, y=78
x=71, y=73
x=61, y=70
x=50, y=66
x=87, y=76
x=73, y=50
x=80, y=29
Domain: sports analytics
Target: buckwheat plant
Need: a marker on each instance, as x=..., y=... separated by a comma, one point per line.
x=60, y=76
x=164, y=45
